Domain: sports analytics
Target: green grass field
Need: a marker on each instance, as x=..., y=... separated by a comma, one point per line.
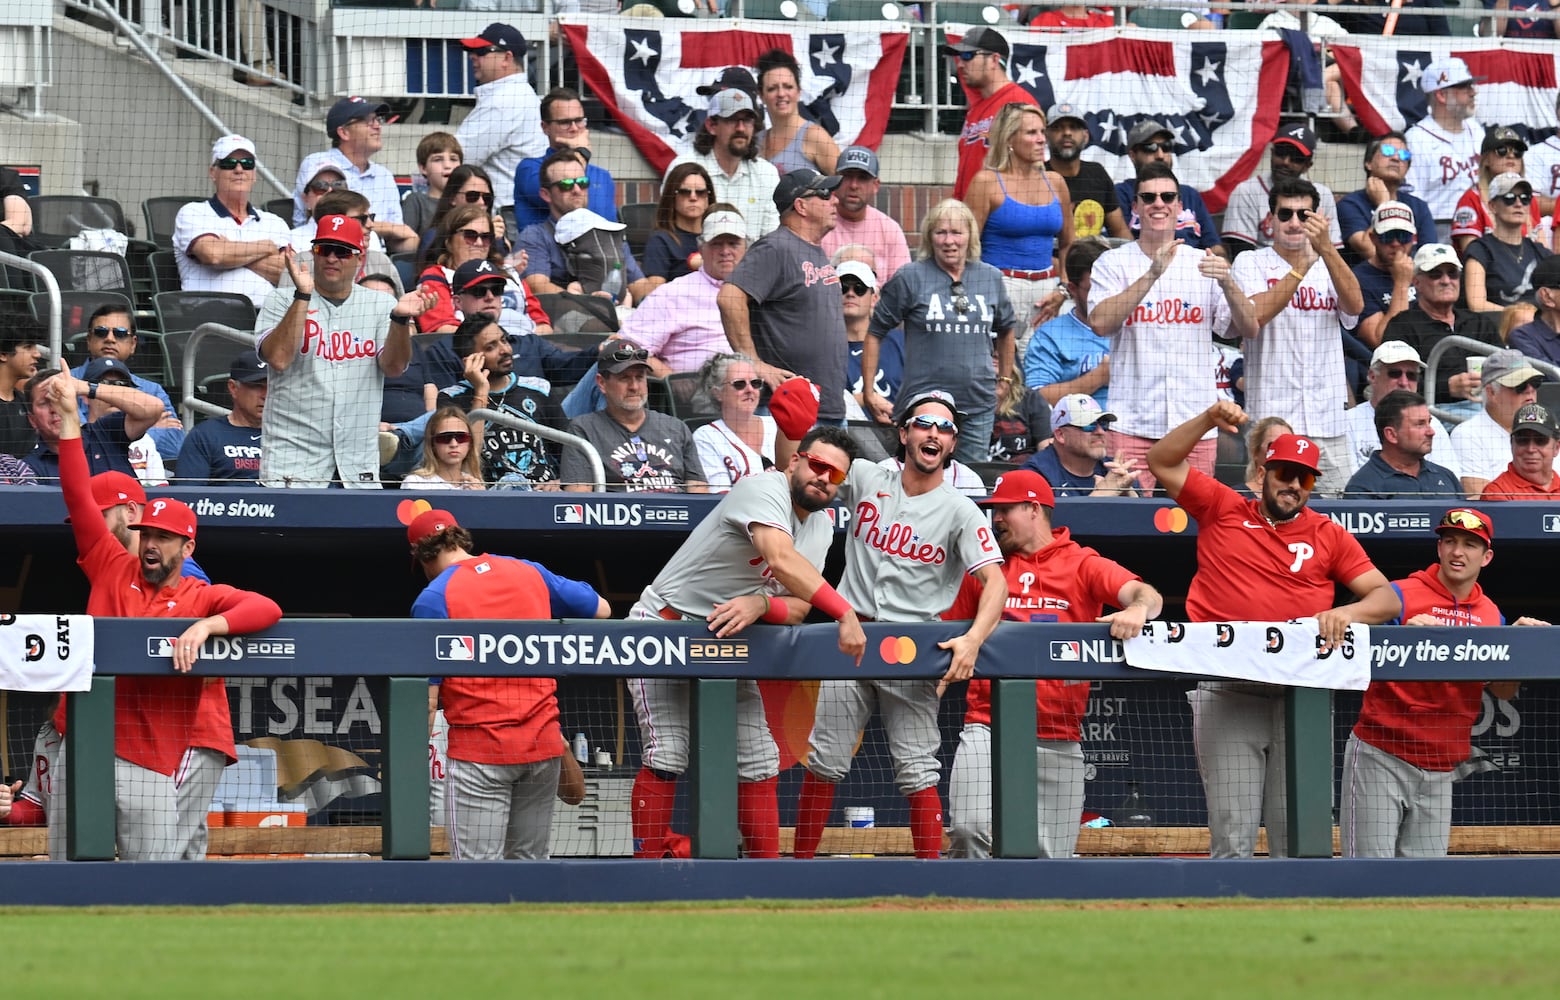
x=1380, y=949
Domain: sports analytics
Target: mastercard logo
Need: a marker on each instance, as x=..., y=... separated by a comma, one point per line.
x=897, y=649
x=1170, y=520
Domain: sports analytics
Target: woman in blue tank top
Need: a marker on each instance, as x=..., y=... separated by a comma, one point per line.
x=1025, y=219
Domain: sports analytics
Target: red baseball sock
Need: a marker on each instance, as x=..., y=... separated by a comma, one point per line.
x=812, y=814
x=758, y=817
x=926, y=823
x=651, y=812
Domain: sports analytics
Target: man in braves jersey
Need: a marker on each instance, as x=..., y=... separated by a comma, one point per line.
x=1302, y=291
x=757, y=556
x=505, y=749
x=1266, y=559
x=1446, y=142
x=1401, y=757
x=982, y=56
x=912, y=541
x=330, y=344
x=155, y=718
x=1050, y=578
x=1160, y=301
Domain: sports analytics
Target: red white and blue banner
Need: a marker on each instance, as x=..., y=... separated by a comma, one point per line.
x=645, y=71
x=1381, y=78
x=1219, y=92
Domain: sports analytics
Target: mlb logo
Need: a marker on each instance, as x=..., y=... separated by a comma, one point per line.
x=1070, y=651
x=455, y=647
x=569, y=513
x=1552, y=522
x=159, y=645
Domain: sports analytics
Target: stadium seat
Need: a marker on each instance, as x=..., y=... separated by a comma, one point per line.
x=87, y=270
x=989, y=471
x=682, y=389
x=187, y=310
x=58, y=217
x=406, y=268
x=639, y=217
x=77, y=307
x=876, y=441
x=672, y=8
x=280, y=206
x=579, y=313
x=1162, y=17
x=866, y=10
x=574, y=341
x=213, y=359
x=165, y=271
x=160, y=214
x=1245, y=20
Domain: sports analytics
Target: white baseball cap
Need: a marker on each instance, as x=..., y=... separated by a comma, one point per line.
x=1433, y=255
x=1504, y=184
x=1392, y=352
x=859, y=270
x=577, y=223
x=1078, y=410
x=1448, y=72
x=228, y=145
x=722, y=223
x=1391, y=216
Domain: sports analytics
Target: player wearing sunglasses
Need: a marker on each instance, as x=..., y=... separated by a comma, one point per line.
x=1387, y=160
x=226, y=244
x=1266, y=559
x=1402, y=757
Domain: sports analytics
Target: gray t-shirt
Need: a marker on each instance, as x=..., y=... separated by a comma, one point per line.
x=948, y=336
x=660, y=457
x=797, y=314
x=718, y=561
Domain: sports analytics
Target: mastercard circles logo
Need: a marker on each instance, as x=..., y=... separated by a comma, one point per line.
x=1170, y=520
x=897, y=649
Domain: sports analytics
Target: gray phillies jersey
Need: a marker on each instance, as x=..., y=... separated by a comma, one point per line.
x=322, y=411
x=906, y=556
x=718, y=561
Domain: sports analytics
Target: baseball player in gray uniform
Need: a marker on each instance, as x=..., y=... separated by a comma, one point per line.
x=330, y=345
x=911, y=542
x=747, y=561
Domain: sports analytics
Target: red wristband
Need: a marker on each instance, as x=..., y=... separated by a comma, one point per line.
x=829, y=601
x=778, y=613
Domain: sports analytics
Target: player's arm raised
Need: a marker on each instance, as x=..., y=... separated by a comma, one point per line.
x=1377, y=603
x=1138, y=602
x=1167, y=458
x=993, y=595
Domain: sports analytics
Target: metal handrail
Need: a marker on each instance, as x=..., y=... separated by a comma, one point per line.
x=597, y=470
x=52, y=287
x=189, y=404
x=1472, y=346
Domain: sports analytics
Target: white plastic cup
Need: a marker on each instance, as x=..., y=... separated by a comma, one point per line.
x=603, y=759
x=1476, y=369
x=860, y=817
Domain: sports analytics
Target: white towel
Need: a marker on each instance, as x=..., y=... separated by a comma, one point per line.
x=46, y=653
x=1270, y=652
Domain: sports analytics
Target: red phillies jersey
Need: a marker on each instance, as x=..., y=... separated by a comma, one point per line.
x=1428, y=723
x=1510, y=486
x=154, y=717
x=214, y=721
x=1063, y=582
x=972, y=140
x=1249, y=570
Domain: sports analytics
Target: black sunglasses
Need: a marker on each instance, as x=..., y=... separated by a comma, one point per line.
x=693, y=192
x=855, y=286
x=1156, y=147
x=747, y=383
x=117, y=332
x=1509, y=151
x=1168, y=197
x=1396, y=236
x=320, y=187
x=472, y=197
x=451, y=437
x=1516, y=198
x=627, y=353
x=334, y=251
x=1285, y=214
x=235, y=162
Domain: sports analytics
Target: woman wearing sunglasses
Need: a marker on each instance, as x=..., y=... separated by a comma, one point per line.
x=1501, y=153
x=1498, y=270
x=467, y=235
x=468, y=184
x=449, y=457
x=673, y=248
x=740, y=443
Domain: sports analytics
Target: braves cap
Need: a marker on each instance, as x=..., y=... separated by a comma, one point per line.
x=577, y=223
x=339, y=229
x=497, y=36
x=1534, y=417
x=350, y=109
x=799, y=183
x=1393, y=352
x=859, y=270
x=730, y=103
x=1298, y=135
x=1504, y=184
x=1508, y=368
x=978, y=39
x=1079, y=409
x=1146, y=130
x=428, y=523
x=1064, y=110
x=731, y=78
x=857, y=158
x=1393, y=216
x=931, y=396
x=1443, y=73
x=475, y=272
x=169, y=515
x=1468, y=520
x=1295, y=449
x=1501, y=135
x=1020, y=486
x=1433, y=255
x=722, y=223
x=101, y=369
x=249, y=368
x=230, y=144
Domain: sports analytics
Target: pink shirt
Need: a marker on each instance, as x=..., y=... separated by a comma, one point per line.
x=878, y=233
x=680, y=323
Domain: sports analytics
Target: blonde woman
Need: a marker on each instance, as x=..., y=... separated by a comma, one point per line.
x=450, y=457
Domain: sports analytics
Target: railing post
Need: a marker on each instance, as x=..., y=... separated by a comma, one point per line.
x=89, y=772
x=404, y=758
x=1015, y=806
x=712, y=771
x=1308, y=732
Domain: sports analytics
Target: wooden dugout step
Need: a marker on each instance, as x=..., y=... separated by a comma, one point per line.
x=27, y=842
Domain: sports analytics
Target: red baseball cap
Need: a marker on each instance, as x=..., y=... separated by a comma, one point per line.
x=1020, y=486
x=794, y=405
x=1468, y=520
x=1295, y=449
x=429, y=522
x=169, y=515
x=110, y=489
x=342, y=229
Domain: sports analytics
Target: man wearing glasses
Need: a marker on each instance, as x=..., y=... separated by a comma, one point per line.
x=1152, y=142
x=1387, y=159
x=1446, y=142
x=329, y=344
x=1394, y=366
x=641, y=450
x=226, y=244
x=1535, y=445
x=1482, y=443
x=982, y=56
x=563, y=120
x=111, y=334
x=566, y=188
x=356, y=130
x=1386, y=275
x=1267, y=559
x=506, y=125
x=1435, y=314
x=1248, y=224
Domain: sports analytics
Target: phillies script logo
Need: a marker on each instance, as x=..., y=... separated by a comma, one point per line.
x=895, y=540
x=1309, y=298
x=1167, y=311
x=813, y=273
x=337, y=345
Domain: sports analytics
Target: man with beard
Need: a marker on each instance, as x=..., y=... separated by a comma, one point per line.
x=1446, y=142
x=1248, y=222
x=1089, y=187
x=724, y=147
x=858, y=221
x=1050, y=578
x=1265, y=559
x=642, y=450
x=511, y=458
x=982, y=57
x=756, y=557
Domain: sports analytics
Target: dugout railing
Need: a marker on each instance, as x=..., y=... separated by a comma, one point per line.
x=401, y=655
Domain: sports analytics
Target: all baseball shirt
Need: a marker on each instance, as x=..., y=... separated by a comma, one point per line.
x=1294, y=366
x=1251, y=570
x=1444, y=164
x=1063, y=582
x=322, y=412
x=1162, y=361
x=1428, y=723
x=906, y=555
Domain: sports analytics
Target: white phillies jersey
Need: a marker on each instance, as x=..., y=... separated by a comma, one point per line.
x=906, y=556
x=718, y=561
x=1294, y=367
x=1444, y=165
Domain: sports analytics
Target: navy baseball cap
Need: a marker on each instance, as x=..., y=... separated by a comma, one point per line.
x=99, y=369
x=249, y=369
x=498, y=36
x=800, y=183
x=474, y=272
x=350, y=109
